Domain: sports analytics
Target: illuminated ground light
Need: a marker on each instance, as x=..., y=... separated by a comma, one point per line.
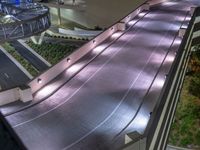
x=166, y=76
x=39, y=80
x=68, y=60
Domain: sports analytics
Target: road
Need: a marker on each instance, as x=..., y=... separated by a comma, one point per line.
x=29, y=56
x=10, y=74
x=105, y=99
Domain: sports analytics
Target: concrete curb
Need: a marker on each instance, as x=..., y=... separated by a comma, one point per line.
x=16, y=63
x=34, y=53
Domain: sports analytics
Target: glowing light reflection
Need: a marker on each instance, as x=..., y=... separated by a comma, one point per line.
x=170, y=58
x=116, y=35
x=99, y=49
x=132, y=22
x=169, y=3
x=152, y=15
x=140, y=123
x=177, y=41
x=141, y=14
x=45, y=91
x=184, y=26
x=74, y=68
x=188, y=18
x=159, y=82
x=158, y=57
x=180, y=18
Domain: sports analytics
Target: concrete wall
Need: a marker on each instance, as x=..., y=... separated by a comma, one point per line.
x=97, y=12
x=139, y=145
x=11, y=95
x=63, y=64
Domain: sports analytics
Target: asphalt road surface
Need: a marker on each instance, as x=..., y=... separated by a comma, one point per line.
x=10, y=74
x=104, y=100
x=29, y=56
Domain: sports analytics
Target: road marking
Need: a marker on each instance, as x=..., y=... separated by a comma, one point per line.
x=6, y=75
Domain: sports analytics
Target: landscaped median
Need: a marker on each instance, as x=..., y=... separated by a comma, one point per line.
x=11, y=50
x=185, y=131
x=53, y=53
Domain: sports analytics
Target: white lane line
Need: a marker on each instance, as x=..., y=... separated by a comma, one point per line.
x=83, y=83
x=7, y=76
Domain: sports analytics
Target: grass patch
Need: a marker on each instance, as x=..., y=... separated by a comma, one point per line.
x=11, y=50
x=53, y=53
x=185, y=131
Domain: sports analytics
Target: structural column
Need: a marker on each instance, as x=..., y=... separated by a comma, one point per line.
x=59, y=17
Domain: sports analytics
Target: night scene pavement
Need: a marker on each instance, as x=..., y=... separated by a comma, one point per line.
x=10, y=74
x=113, y=95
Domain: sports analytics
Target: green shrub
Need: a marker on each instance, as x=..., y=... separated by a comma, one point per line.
x=52, y=52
